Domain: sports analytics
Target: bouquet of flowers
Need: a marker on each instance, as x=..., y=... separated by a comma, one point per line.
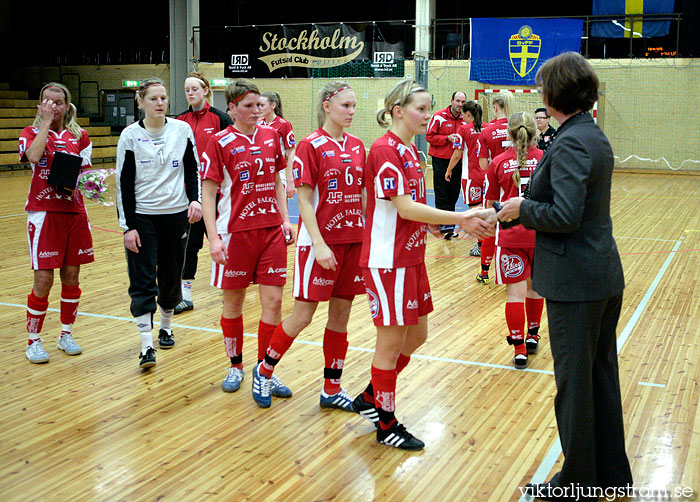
x=93, y=185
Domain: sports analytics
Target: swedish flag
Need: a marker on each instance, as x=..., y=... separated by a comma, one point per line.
x=636, y=29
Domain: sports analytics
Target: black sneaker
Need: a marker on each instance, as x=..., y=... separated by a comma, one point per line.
x=366, y=410
x=520, y=361
x=482, y=278
x=148, y=359
x=183, y=306
x=165, y=339
x=532, y=343
x=399, y=437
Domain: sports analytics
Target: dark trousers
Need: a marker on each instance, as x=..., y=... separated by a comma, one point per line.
x=156, y=270
x=588, y=404
x=194, y=244
x=446, y=192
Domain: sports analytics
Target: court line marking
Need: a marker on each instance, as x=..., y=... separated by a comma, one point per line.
x=13, y=215
x=306, y=342
x=552, y=455
x=649, y=384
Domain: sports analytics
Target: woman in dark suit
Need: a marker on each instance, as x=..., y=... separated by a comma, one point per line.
x=577, y=269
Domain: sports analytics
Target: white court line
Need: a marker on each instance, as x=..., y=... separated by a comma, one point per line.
x=644, y=238
x=649, y=384
x=553, y=454
x=306, y=342
x=13, y=215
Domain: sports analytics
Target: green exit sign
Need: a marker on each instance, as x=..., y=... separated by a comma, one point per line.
x=219, y=82
x=131, y=83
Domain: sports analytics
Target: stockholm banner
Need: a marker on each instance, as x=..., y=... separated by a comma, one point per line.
x=510, y=51
x=303, y=51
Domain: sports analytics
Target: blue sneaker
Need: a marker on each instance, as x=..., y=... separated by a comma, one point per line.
x=233, y=380
x=261, y=388
x=341, y=401
x=278, y=388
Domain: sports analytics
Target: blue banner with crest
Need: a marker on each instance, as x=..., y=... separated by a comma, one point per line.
x=510, y=51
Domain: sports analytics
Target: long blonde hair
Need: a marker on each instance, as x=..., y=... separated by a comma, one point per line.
x=70, y=121
x=523, y=131
x=505, y=102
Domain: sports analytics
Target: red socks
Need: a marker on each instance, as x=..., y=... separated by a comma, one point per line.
x=488, y=247
x=70, y=299
x=265, y=332
x=279, y=344
x=515, y=319
x=401, y=363
x=533, y=309
x=233, y=340
x=36, y=313
x=335, y=348
x=384, y=384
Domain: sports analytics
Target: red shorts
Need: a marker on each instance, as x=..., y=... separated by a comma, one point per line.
x=59, y=239
x=254, y=256
x=472, y=191
x=314, y=283
x=513, y=264
x=398, y=296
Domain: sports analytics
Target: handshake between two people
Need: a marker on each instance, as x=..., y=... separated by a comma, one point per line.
x=481, y=222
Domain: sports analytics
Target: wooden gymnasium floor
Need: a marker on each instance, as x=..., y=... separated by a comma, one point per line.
x=95, y=427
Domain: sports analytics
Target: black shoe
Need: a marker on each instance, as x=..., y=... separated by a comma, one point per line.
x=520, y=361
x=532, y=343
x=147, y=360
x=165, y=340
x=366, y=410
x=482, y=278
x=399, y=437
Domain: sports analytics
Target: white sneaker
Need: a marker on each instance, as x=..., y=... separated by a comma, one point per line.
x=36, y=353
x=68, y=345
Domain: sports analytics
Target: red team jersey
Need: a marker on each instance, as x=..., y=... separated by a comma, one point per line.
x=244, y=167
x=468, y=140
x=501, y=188
x=42, y=196
x=494, y=139
x=285, y=131
x=334, y=171
x=390, y=241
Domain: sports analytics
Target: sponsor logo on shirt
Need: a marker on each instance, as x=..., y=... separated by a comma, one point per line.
x=412, y=304
x=227, y=139
x=333, y=184
x=328, y=153
x=255, y=150
x=389, y=183
x=176, y=163
x=244, y=175
x=316, y=142
x=358, y=279
x=295, y=173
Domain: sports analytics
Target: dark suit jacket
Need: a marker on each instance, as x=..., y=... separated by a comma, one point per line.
x=575, y=257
